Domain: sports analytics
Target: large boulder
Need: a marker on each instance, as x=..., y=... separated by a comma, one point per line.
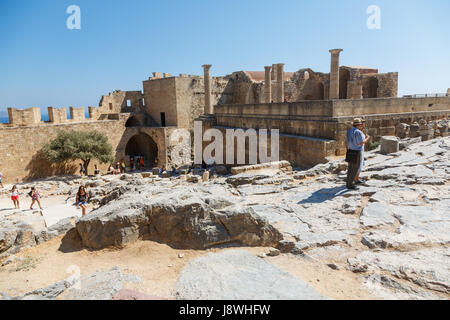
x=239, y=275
x=194, y=217
x=389, y=144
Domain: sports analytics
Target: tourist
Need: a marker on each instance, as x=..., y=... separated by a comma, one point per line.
x=96, y=171
x=82, y=199
x=141, y=162
x=82, y=170
x=111, y=169
x=35, y=196
x=15, y=197
x=123, y=166
x=137, y=163
x=117, y=171
x=1, y=176
x=132, y=163
x=355, y=153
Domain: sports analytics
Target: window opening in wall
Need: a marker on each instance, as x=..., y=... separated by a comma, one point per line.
x=163, y=119
x=128, y=103
x=143, y=102
x=110, y=106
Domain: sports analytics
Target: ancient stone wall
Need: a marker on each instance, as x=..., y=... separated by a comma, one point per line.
x=56, y=115
x=25, y=117
x=121, y=101
x=160, y=97
x=19, y=151
x=77, y=114
x=331, y=119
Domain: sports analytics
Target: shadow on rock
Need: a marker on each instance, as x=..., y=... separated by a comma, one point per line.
x=71, y=242
x=325, y=194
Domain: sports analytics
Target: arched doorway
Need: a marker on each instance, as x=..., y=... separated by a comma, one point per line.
x=132, y=122
x=142, y=145
x=373, y=87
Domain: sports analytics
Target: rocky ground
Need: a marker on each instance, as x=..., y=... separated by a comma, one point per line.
x=391, y=235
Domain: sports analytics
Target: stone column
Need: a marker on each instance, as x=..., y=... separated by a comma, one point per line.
x=268, y=85
x=280, y=82
x=334, y=74
x=207, y=79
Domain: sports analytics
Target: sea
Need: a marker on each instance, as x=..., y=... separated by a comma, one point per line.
x=44, y=117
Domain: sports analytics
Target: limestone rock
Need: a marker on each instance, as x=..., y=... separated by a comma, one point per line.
x=239, y=275
x=389, y=145
x=101, y=285
x=376, y=214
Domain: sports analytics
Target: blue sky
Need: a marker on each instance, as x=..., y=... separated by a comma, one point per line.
x=42, y=63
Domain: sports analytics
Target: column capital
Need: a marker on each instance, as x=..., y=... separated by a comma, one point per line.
x=268, y=68
x=280, y=64
x=207, y=66
x=336, y=51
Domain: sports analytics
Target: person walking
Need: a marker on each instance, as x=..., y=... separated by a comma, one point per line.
x=35, y=196
x=82, y=199
x=123, y=166
x=132, y=163
x=82, y=170
x=355, y=152
x=15, y=197
x=141, y=162
x=96, y=171
x=1, y=177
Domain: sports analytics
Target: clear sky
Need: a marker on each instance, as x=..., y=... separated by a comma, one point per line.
x=43, y=63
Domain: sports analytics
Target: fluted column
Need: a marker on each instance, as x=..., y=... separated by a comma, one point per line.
x=280, y=82
x=334, y=74
x=268, y=85
x=207, y=79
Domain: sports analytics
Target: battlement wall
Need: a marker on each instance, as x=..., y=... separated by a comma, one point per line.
x=28, y=116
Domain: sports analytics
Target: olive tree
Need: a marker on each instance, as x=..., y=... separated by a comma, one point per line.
x=79, y=145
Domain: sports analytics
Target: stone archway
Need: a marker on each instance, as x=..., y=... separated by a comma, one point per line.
x=142, y=145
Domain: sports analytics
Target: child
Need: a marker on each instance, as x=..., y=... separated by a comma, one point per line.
x=15, y=197
x=35, y=196
x=81, y=199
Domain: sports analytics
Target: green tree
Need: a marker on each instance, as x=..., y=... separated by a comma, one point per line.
x=79, y=145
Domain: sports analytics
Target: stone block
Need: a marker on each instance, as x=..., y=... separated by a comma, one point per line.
x=389, y=144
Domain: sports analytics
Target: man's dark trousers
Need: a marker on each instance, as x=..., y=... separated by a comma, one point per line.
x=352, y=170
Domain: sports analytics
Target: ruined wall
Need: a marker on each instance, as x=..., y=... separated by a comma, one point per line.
x=56, y=115
x=160, y=96
x=19, y=151
x=121, y=101
x=77, y=114
x=25, y=117
x=331, y=119
x=299, y=150
x=191, y=97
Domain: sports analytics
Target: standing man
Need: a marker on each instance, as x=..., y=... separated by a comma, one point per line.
x=355, y=153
